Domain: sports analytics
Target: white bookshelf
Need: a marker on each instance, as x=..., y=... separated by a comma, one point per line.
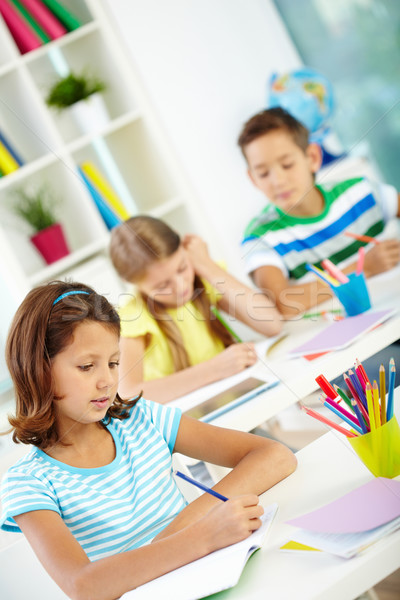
x=130, y=150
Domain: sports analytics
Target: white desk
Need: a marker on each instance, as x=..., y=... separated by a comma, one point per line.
x=327, y=469
x=297, y=375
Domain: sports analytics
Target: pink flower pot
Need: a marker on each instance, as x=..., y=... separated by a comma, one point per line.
x=51, y=243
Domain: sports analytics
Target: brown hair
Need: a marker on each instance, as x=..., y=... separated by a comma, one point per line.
x=273, y=119
x=138, y=243
x=42, y=327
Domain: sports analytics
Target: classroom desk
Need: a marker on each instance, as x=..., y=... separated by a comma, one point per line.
x=327, y=469
x=297, y=375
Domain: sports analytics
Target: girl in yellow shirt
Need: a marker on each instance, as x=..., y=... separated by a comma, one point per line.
x=171, y=341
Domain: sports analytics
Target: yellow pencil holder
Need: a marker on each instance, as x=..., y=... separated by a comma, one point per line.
x=380, y=449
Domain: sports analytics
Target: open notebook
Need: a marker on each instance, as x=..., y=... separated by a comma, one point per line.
x=213, y=573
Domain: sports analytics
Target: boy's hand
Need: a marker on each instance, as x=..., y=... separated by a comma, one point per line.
x=197, y=251
x=382, y=257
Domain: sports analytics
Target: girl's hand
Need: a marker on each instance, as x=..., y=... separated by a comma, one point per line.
x=232, y=521
x=382, y=257
x=234, y=359
x=197, y=252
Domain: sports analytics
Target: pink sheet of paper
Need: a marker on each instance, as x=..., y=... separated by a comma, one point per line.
x=342, y=333
x=371, y=505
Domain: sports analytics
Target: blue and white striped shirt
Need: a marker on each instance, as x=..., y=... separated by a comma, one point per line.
x=109, y=509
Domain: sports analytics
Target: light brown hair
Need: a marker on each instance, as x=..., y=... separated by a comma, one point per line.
x=269, y=120
x=138, y=243
x=42, y=328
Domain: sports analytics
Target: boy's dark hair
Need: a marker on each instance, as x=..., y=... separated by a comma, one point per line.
x=273, y=119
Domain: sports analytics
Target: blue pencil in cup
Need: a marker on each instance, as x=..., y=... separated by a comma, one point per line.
x=201, y=486
x=392, y=377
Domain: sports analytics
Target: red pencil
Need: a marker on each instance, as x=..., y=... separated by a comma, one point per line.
x=326, y=386
x=323, y=419
x=361, y=374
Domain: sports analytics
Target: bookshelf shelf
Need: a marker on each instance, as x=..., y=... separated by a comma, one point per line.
x=130, y=152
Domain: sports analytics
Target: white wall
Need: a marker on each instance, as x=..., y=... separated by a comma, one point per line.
x=205, y=65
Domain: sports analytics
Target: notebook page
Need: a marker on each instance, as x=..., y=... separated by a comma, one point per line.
x=340, y=334
x=213, y=573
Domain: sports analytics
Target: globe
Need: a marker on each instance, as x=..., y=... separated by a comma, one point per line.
x=307, y=95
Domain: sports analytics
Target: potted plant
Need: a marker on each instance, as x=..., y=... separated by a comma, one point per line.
x=36, y=207
x=81, y=95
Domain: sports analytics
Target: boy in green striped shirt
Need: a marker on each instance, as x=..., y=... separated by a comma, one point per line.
x=304, y=222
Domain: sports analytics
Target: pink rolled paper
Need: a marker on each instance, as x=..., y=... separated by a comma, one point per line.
x=45, y=18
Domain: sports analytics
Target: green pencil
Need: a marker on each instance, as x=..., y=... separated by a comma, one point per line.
x=321, y=313
x=217, y=314
x=343, y=396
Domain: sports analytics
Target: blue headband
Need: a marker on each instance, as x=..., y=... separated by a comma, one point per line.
x=71, y=293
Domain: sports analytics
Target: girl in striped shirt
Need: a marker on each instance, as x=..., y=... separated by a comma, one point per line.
x=95, y=495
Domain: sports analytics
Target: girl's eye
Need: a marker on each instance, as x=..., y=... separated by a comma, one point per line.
x=85, y=367
x=114, y=364
x=288, y=166
x=162, y=287
x=263, y=175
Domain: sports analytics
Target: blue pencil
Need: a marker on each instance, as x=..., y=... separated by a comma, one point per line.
x=357, y=385
x=392, y=377
x=201, y=486
x=359, y=416
x=342, y=416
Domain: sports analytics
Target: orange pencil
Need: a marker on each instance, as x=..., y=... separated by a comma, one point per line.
x=382, y=392
x=323, y=419
x=375, y=400
x=362, y=238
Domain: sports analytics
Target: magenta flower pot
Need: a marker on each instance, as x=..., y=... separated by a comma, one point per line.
x=51, y=243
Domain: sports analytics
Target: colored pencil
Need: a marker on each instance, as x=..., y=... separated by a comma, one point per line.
x=342, y=413
x=392, y=377
x=360, y=260
x=217, y=314
x=375, y=401
x=322, y=313
x=322, y=275
x=323, y=419
x=362, y=375
x=357, y=386
x=326, y=386
x=343, y=395
x=201, y=486
x=371, y=412
x=362, y=238
x=359, y=416
x=382, y=393
x=334, y=271
x=359, y=404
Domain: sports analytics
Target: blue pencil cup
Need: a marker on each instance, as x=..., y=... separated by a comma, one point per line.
x=353, y=295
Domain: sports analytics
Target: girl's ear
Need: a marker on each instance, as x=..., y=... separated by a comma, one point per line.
x=314, y=155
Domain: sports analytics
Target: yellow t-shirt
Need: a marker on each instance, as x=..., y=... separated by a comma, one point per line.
x=200, y=344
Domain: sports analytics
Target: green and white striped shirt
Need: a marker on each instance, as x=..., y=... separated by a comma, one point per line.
x=276, y=238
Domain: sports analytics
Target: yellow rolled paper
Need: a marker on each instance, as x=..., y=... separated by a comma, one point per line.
x=380, y=449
